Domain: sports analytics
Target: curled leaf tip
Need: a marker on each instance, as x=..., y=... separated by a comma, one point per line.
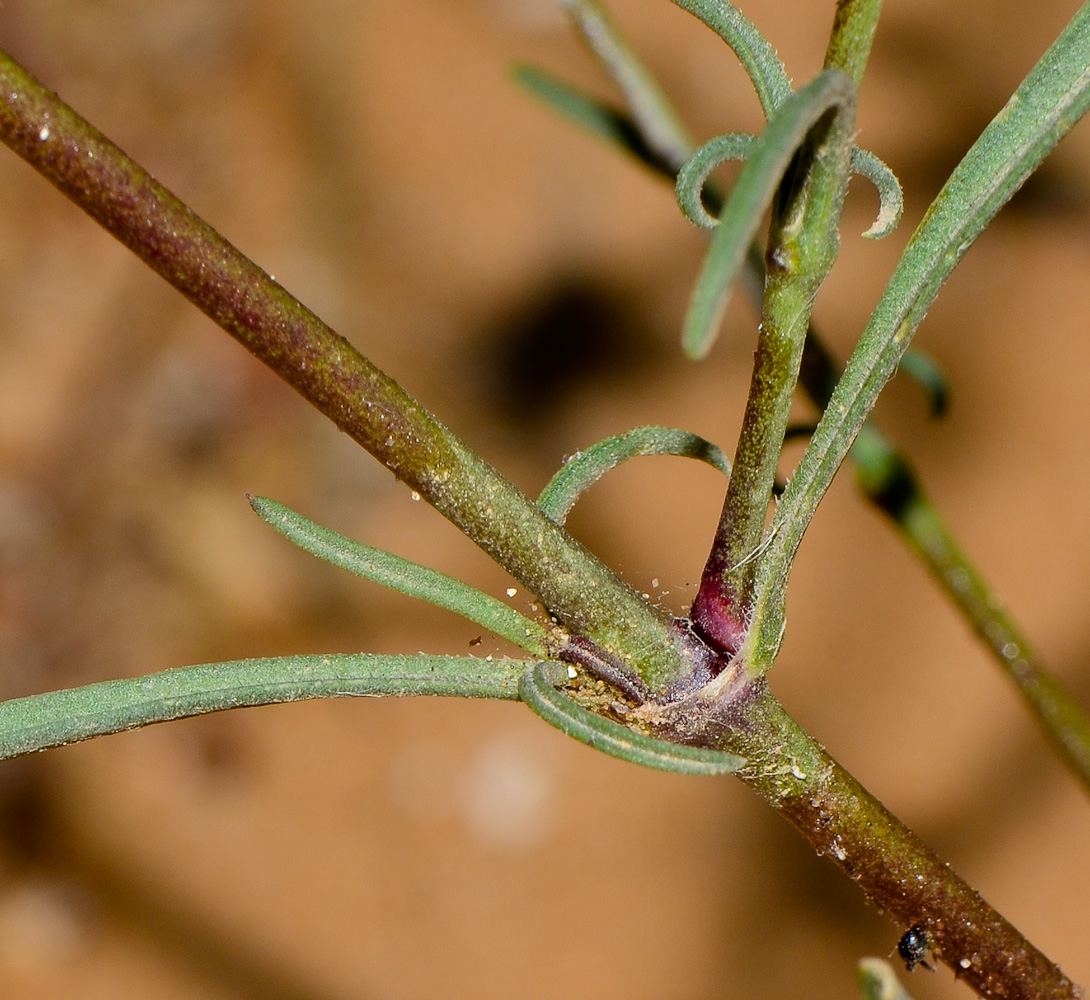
x=586, y=467
x=697, y=169
x=766, y=161
x=891, y=198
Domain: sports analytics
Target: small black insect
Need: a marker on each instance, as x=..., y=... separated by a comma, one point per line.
x=913, y=948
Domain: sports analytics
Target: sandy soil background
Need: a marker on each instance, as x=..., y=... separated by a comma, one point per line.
x=528, y=287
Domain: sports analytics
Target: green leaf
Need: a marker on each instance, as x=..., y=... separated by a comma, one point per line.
x=655, y=119
x=694, y=173
x=750, y=199
x=754, y=51
x=924, y=370
x=537, y=691
x=585, y=468
x=891, y=199
x=58, y=718
x=405, y=576
x=600, y=119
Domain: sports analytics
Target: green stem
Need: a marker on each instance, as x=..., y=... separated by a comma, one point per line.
x=849, y=47
x=1049, y=101
x=802, y=247
x=364, y=402
x=799, y=166
x=58, y=718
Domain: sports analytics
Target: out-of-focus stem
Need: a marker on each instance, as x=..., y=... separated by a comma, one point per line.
x=891, y=484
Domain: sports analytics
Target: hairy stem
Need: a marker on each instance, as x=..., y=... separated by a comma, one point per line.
x=853, y=33
x=802, y=247
x=329, y=372
x=895, y=869
x=800, y=254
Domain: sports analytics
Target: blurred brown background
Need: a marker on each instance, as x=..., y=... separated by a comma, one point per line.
x=528, y=287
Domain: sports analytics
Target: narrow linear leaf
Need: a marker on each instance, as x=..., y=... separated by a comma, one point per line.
x=612, y=738
x=596, y=117
x=757, y=56
x=585, y=468
x=1051, y=99
x=751, y=197
x=656, y=121
x=924, y=370
x=58, y=718
x=405, y=576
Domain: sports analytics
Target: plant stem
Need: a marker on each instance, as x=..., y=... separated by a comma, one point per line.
x=654, y=135
x=895, y=869
x=799, y=256
x=721, y=608
x=577, y=588
x=849, y=46
x=802, y=247
x=1054, y=95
